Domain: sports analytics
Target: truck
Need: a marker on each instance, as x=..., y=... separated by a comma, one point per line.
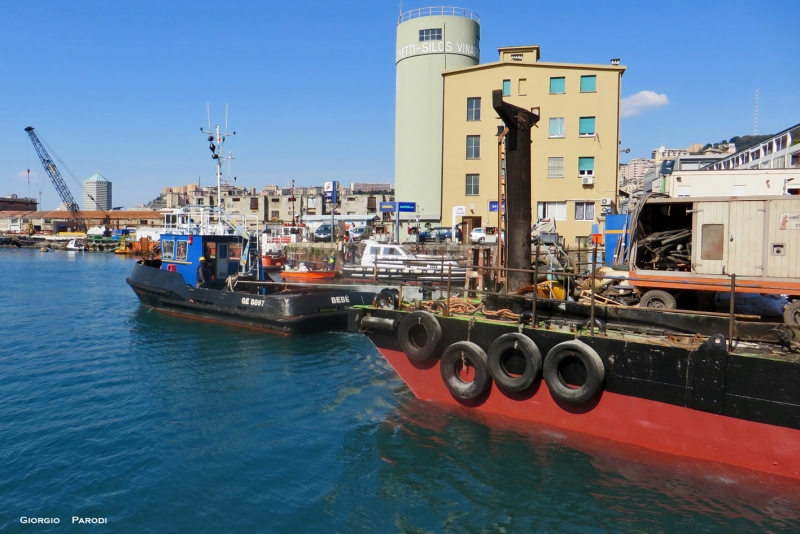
x=682, y=249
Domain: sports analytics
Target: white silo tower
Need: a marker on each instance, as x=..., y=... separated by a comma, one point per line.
x=429, y=40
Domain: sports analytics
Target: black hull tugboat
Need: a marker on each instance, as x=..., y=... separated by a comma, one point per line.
x=210, y=269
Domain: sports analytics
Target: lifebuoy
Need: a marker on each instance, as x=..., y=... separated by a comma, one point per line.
x=517, y=354
x=595, y=372
x=453, y=360
x=419, y=335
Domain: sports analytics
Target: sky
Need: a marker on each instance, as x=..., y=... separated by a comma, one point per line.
x=121, y=88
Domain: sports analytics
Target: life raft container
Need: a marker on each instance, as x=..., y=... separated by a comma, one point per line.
x=588, y=357
x=464, y=358
x=514, y=361
x=419, y=335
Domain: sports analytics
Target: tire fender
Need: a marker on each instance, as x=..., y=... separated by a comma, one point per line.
x=595, y=372
x=419, y=335
x=531, y=354
x=475, y=357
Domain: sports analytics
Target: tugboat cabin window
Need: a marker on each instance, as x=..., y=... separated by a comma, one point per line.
x=168, y=249
x=182, y=251
x=211, y=251
x=235, y=252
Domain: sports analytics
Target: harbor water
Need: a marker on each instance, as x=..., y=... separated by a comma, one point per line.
x=154, y=423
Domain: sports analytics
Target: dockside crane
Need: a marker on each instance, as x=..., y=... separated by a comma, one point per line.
x=58, y=181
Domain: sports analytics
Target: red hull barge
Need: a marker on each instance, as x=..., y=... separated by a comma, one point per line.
x=692, y=401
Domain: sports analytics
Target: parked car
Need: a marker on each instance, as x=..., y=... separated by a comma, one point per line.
x=361, y=232
x=483, y=235
x=323, y=233
x=445, y=235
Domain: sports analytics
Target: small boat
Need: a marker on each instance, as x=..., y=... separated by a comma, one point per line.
x=75, y=245
x=308, y=275
x=44, y=249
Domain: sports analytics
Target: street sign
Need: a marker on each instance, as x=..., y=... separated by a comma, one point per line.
x=407, y=206
x=493, y=205
x=331, y=192
x=387, y=206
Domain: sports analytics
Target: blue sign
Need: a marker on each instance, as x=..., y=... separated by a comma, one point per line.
x=408, y=206
x=388, y=206
x=493, y=205
x=331, y=190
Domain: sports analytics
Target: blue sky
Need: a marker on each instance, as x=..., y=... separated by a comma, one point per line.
x=120, y=88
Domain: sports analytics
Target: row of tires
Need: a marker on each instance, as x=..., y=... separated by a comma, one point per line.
x=420, y=338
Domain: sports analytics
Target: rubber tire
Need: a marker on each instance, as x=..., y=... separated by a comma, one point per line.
x=791, y=315
x=433, y=336
x=595, y=372
x=482, y=240
x=656, y=294
x=531, y=353
x=477, y=358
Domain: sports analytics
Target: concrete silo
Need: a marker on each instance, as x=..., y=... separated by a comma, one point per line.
x=429, y=40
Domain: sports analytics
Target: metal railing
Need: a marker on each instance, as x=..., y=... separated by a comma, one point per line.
x=438, y=12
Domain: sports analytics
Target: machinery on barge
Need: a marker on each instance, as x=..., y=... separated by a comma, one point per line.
x=710, y=388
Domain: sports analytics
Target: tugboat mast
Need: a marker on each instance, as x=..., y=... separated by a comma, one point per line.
x=216, y=150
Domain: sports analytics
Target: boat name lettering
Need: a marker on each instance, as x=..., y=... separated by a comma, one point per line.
x=341, y=300
x=252, y=302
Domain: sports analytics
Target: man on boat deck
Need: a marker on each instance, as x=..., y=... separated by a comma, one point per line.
x=202, y=273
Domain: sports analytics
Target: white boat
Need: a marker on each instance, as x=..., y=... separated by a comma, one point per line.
x=75, y=245
x=388, y=261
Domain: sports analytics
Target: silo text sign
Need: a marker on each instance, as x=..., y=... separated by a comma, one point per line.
x=438, y=47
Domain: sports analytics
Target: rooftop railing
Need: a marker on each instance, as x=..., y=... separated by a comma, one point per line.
x=438, y=12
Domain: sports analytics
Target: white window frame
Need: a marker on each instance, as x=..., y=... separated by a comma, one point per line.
x=556, y=210
x=563, y=128
x=583, y=205
x=553, y=165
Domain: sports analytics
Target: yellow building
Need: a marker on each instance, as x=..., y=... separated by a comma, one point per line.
x=575, y=145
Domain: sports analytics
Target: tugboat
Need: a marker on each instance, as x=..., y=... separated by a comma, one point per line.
x=210, y=269
x=701, y=396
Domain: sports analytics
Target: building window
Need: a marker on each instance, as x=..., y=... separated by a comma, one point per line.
x=586, y=127
x=588, y=84
x=254, y=203
x=506, y=87
x=555, y=210
x=474, y=108
x=523, y=87
x=200, y=201
x=434, y=34
x=473, y=147
x=584, y=211
x=555, y=167
x=516, y=57
x=585, y=166
x=557, y=86
x=276, y=214
x=473, y=184
x=557, y=127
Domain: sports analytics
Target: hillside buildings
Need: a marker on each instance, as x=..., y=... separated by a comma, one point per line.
x=778, y=152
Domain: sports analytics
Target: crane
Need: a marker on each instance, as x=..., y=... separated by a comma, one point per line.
x=58, y=181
